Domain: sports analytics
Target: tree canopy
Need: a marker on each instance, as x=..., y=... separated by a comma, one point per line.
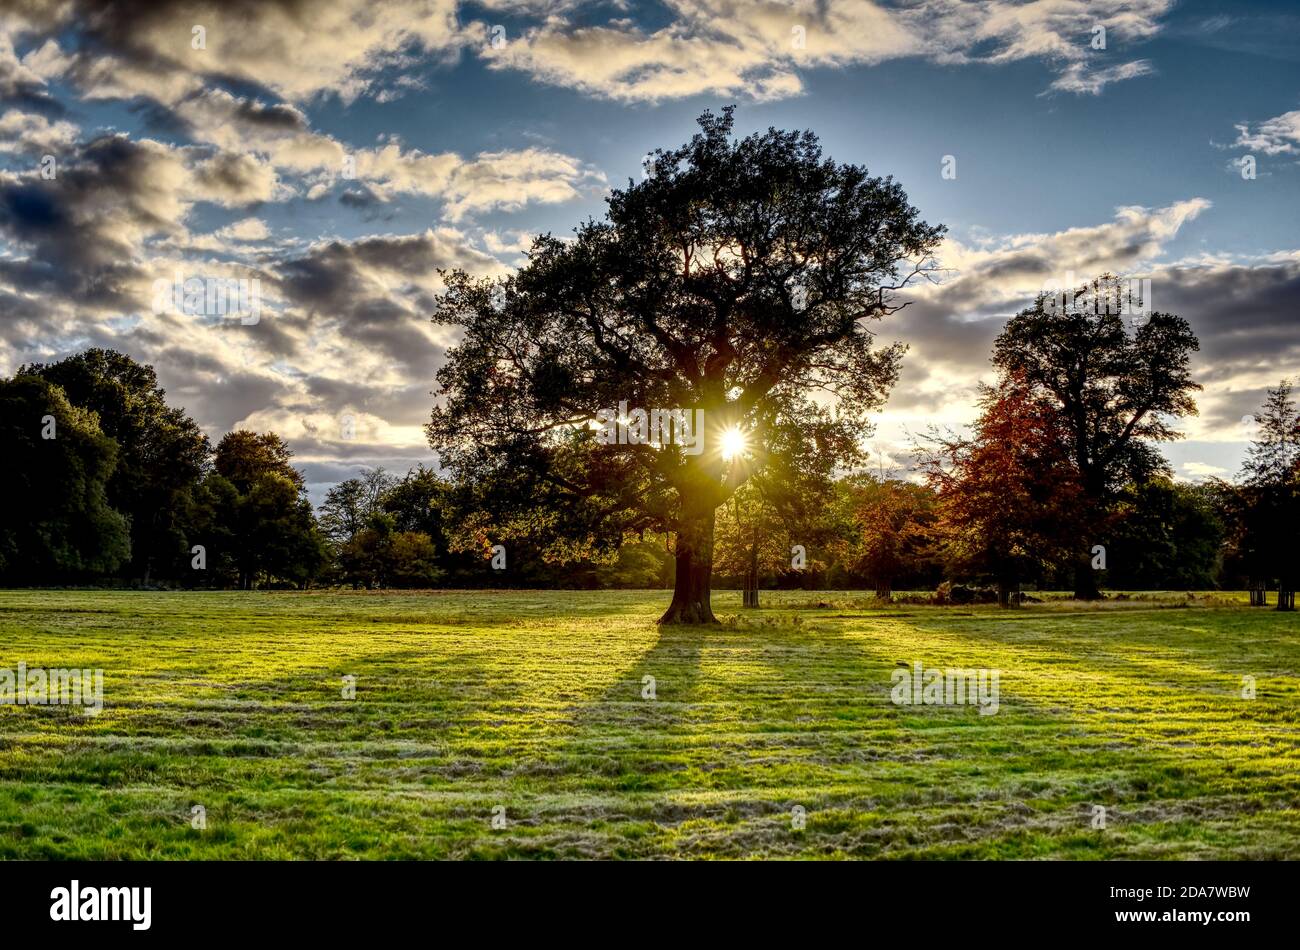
x=56, y=523
x=736, y=285
x=1118, y=380
x=161, y=451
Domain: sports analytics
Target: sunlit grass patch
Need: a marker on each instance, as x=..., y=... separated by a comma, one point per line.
x=535, y=706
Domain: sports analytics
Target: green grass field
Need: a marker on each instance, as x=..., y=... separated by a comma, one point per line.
x=468, y=703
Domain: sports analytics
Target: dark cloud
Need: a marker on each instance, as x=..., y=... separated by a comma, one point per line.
x=79, y=228
x=233, y=179
x=353, y=283
x=1246, y=318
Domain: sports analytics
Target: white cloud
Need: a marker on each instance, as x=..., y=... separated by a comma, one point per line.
x=1081, y=80
x=1199, y=471
x=1279, y=135
x=297, y=48
x=726, y=47
x=246, y=229
x=34, y=133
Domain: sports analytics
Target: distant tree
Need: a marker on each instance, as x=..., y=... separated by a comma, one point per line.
x=1008, y=499
x=785, y=490
x=412, y=560
x=419, y=501
x=644, y=564
x=1116, y=392
x=210, y=525
x=1165, y=535
x=1269, y=498
x=889, y=523
x=752, y=540
x=162, y=453
x=739, y=279
x=244, y=458
x=264, y=508
x=56, y=521
x=349, y=505
x=381, y=556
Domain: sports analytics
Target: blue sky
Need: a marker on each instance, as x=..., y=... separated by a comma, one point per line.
x=226, y=161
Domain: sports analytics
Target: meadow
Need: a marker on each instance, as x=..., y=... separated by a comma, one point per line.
x=519, y=725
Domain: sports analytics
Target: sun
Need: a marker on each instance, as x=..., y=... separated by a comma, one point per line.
x=734, y=443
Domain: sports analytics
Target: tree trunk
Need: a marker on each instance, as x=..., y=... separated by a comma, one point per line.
x=1285, y=598
x=694, y=559
x=751, y=576
x=1085, y=580
x=884, y=589
x=1258, y=594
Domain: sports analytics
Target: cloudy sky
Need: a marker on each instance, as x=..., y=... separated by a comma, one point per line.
x=341, y=151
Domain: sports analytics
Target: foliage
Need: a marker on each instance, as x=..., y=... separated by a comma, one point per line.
x=1116, y=389
x=738, y=280
x=887, y=530
x=261, y=503
x=1009, y=501
x=1165, y=535
x=1265, y=509
x=161, y=454
x=56, y=523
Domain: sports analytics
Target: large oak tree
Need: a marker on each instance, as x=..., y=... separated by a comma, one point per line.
x=740, y=278
x=1118, y=380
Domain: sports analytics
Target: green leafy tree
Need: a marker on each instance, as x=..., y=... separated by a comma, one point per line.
x=420, y=501
x=56, y=521
x=272, y=531
x=738, y=281
x=381, y=556
x=1118, y=383
x=1165, y=535
x=783, y=502
x=349, y=505
x=161, y=456
x=1268, y=500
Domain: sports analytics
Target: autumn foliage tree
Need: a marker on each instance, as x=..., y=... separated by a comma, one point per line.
x=889, y=526
x=1008, y=499
x=1117, y=378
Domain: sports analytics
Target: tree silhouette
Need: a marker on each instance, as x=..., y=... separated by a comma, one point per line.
x=162, y=453
x=1116, y=391
x=1270, y=498
x=736, y=281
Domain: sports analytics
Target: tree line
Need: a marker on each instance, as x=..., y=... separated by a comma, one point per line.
x=741, y=280
x=111, y=484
